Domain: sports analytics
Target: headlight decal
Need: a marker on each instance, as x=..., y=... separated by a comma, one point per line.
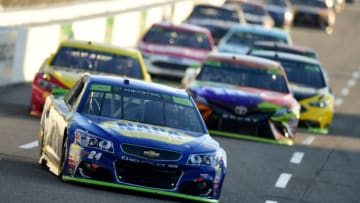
x=46, y=84
x=202, y=159
x=284, y=115
x=87, y=140
x=319, y=104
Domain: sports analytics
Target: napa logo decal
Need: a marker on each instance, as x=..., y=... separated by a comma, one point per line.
x=163, y=134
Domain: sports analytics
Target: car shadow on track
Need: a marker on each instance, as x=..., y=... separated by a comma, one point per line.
x=346, y=125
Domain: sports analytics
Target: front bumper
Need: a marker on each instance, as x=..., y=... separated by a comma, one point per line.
x=316, y=119
x=314, y=19
x=255, y=128
x=139, y=189
x=124, y=171
x=38, y=96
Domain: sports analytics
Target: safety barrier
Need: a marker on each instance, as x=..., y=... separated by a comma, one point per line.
x=27, y=37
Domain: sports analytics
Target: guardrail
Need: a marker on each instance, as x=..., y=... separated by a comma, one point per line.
x=27, y=37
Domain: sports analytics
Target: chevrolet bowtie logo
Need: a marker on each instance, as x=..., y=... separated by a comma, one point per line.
x=151, y=154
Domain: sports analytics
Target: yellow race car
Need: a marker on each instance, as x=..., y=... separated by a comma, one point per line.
x=310, y=87
x=317, y=112
x=74, y=57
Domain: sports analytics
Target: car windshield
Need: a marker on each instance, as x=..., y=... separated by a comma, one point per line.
x=215, y=14
x=314, y=3
x=308, y=53
x=252, y=9
x=304, y=74
x=248, y=38
x=85, y=60
x=240, y=75
x=168, y=36
x=142, y=106
x=276, y=2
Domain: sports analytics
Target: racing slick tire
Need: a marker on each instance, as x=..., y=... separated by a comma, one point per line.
x=64, y=152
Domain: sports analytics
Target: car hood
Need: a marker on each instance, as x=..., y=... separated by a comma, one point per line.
x=276, y=8
x=239, y=49
x=141, y=134
x=250, y=17
x=174, y=51
x=211, y=22
x=234, y=95
x=302, y=92
x=308, y=9
x=66, y=76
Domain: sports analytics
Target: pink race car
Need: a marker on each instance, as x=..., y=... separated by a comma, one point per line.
x=168, y=50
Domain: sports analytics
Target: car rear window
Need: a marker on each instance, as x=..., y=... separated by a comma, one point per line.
x=168, y=36
x=304, y=74
x=248, y=38
x=276, y=2
x=215, y=13
x=240, y=75
x=85, y=60
x=318, y=4
x=308, y=53
x=253, y=9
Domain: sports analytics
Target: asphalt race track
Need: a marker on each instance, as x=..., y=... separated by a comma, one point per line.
x=318, y=169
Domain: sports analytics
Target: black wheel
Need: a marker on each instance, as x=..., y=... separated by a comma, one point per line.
x=64, y=153
x=42, y=161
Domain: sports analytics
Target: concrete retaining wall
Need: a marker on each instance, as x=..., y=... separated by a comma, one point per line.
x=27, y=37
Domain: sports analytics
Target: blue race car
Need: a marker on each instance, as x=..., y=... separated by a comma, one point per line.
x=131, y=134
x=240, y=38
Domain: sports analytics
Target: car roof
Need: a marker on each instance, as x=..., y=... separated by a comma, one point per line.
x=258, y=29
x=105, y=47
x=136, y=84
x=286, y=56
x=256, y=62
x=248, y=2
x=214, y=7
x=283, y=46
x=184, y=27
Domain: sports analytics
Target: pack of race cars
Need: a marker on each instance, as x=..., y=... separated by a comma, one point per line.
x=103, y=121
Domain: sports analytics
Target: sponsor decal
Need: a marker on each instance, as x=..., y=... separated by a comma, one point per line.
x=94, y=155
x=206, y=176
x=157, y=164
x=312, y=68
x=213, y=63
x=239, y=118
x=151, y=153
x=103, y=88
x=182, y=101
x=241, y=110
x=137, y=130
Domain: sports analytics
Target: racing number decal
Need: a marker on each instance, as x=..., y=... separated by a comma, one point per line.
x=94, y=155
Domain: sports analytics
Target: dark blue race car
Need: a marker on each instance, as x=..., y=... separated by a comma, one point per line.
x=131, y=134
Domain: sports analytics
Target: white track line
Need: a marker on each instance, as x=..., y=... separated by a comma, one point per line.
x=345, y=91
x=356, y=74
x=29, y=145
x=338, y=101
x=270, y=201
x=308, y=140
x=283, y=180
x=351, y=83
x=297, y=157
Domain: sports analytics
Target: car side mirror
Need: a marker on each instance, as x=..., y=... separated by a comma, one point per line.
x=148, y=77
